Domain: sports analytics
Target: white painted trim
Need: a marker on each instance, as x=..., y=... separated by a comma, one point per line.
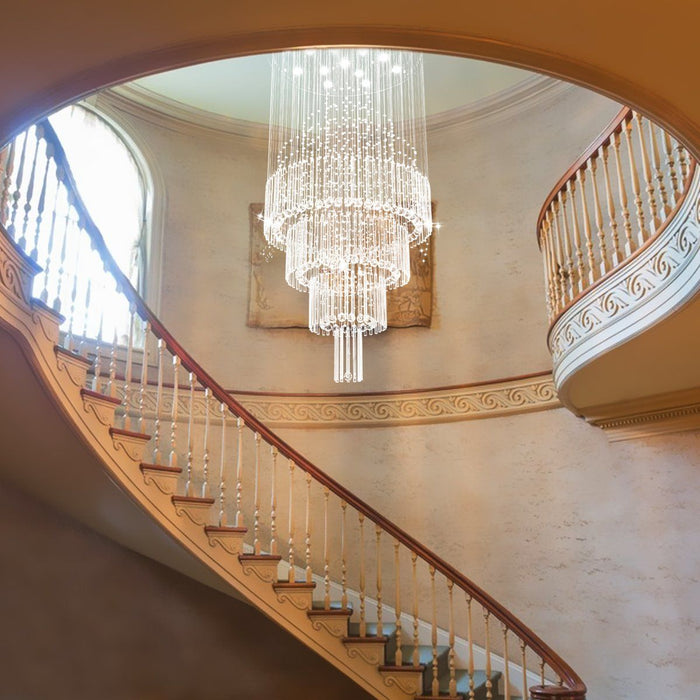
x=529, y=93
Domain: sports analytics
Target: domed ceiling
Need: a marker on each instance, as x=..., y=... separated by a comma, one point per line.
x=239, y=88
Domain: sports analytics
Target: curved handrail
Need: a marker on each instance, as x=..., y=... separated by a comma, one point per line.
x=598, y=142
x=527, y=636
x=615, y=198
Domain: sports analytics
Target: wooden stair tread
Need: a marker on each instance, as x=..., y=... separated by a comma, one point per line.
x=100, y=396
x=192, y=499
x=39, y=304
x=72, y=355
x=365, y=640
x=225, y=528
x=147, y=466
x=403, y=669
x=293, y=585
x=388, y=629
x=258, y=557
x=130, y=434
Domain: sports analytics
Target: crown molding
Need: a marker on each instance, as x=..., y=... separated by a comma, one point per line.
x=529, y=93
x=164, y=111
x=672, y=412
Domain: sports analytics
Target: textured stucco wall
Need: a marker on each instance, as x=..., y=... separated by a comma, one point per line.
x=489, y=177
x=85, y=618
x=595, y=546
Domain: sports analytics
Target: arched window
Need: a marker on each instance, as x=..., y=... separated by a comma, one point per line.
x=111, y=183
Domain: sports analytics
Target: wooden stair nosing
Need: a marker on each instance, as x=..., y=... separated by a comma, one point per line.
x=293, y=586
x=225, y=529
x=147, y=466
x=72, y=355
x=100, y=396
x=121, y=432
x=43, y=306
x=192, y=499
x=259, y=557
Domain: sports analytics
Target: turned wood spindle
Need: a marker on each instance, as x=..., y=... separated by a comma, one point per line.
x=506, y=664
x=487, y=652
x=451, y=656
x=309, y=571
x=435, y=684
x=416, y=655
x=363, y=623
x=598, y=216
x=653, y=131
x=585, y=216
x=159, y=400
x=273, y=502
x=291, y=577
x=190, y=436
x=622, y=195
x=380, y=628
x=126, y=401
x=256, y=498
x=326, y=554
x=205, y=456
x=343, y=557
x=239, y=473
x=144, y=375
x=223, y=409
x=610, y=206
x=642, y=233
x=470, y=644
x=172, y=461
x=648, y=176
x=398, y=658
x=580, y=268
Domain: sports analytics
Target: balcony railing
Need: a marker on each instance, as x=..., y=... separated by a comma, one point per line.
x=616, y=198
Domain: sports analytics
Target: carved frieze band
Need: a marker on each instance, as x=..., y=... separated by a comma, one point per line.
x=650, y=287
x=428, y=406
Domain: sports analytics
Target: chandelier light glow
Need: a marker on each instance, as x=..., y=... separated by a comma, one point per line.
x=347, y=192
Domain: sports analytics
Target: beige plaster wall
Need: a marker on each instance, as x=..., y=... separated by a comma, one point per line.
x=489, y=177
x=594, y=545
x=85, y=618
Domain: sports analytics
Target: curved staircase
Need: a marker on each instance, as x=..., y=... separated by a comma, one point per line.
x=232, y=504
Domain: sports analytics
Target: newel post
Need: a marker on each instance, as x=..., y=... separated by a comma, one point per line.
x=557, y=692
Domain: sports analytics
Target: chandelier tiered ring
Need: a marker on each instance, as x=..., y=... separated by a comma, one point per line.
x=347, y=192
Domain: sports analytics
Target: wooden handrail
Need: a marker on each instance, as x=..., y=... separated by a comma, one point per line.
x=551, y=658
x=603, y=139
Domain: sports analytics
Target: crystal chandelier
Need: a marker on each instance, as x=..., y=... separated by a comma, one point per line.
x=347, y=191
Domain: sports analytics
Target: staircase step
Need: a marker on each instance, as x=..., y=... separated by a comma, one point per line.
x=264, y=566
x=425, y=657
x=462, y=678
x=100, y=405
x=333, y=620
x=39, y=305
x=161, y=476
x=228, y=537
x=130, y=442
x=298, y=593
x=195, y=508
x=76, y=366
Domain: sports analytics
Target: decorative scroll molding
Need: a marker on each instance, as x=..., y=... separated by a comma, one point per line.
x=471, y=402
x=16, y=273
x=650, y=287
x=429, y=406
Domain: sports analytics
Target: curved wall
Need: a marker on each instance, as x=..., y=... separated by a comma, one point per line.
x=489, y=177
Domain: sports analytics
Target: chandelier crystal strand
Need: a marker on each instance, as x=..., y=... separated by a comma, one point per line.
x=347, y=192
